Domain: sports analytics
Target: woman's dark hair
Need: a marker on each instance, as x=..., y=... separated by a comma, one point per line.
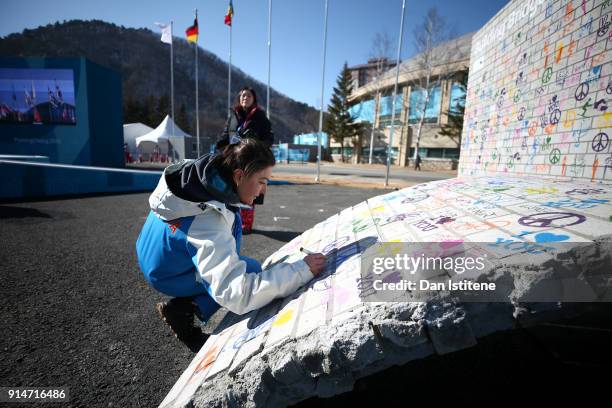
x=246, y=88
x=249, y=155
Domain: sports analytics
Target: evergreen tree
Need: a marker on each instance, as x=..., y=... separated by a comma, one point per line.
x=454, y=127
x=148, y=112
x=135, y=112
x=339, y=124
x=162, y=109
x=130, y=110
x=182, y=120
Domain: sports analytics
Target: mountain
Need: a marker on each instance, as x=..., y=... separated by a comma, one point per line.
x=143, y=61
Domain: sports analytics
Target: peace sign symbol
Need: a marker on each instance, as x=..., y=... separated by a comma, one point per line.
x=521, y=114
x=547, y=75
x=543, y=220
x=517, y=95
x=582, y=91
x=600, y=141
x=555, y=116
x=554, y=156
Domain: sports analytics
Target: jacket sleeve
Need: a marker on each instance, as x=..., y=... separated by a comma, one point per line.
x=219, y=265
x=262, y=128
x=224, y=137
x=266, y=134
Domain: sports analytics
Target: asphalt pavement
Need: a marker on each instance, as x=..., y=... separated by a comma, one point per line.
x=343, y=174
x=373, y=172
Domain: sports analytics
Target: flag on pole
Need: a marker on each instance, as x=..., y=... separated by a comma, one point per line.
x=58, y=92
x=27, y=98
x=192, y=32
x=166, y=32
x=230, y=14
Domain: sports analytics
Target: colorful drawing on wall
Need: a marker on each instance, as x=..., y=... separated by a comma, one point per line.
x=559, y=84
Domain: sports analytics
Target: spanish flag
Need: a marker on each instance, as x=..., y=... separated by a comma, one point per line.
x=230, y=14
x=192, y=32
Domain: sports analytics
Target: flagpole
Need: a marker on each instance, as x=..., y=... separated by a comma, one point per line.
x=318, y=178
x=397, y=69
x=197, y=110
x=229, y=74
x=269, y=56
x=172, y=76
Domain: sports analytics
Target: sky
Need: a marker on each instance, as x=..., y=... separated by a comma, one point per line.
x=297, y=30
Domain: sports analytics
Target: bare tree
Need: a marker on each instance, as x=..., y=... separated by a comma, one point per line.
x=380, y=53
x=431, y=64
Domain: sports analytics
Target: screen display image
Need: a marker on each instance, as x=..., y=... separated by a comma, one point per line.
x=37, y=96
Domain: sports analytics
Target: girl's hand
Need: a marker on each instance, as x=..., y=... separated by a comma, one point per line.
x=316, y=263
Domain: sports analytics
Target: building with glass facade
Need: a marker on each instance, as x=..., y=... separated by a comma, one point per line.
x=372, y=104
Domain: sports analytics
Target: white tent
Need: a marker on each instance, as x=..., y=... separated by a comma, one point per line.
x=131, y=131
x=149, y=143
x=165, y=139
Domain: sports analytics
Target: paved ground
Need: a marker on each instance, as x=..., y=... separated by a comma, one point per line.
x=77, y=312
x=373, y=172
x=350, y=175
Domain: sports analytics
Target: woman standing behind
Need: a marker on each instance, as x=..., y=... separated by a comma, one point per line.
x=247, y=120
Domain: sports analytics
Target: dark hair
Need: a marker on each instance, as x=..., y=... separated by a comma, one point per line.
x=246, y=88
x=249, y=155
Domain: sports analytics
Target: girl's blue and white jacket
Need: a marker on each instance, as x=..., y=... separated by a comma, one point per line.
x=184, y=239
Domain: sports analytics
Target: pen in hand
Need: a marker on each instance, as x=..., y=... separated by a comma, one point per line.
x=307, y=252
x=316, y=262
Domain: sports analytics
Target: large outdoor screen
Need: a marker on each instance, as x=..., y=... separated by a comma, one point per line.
x=37, y=96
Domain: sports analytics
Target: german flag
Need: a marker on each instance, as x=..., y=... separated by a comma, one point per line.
x=230, y=14
x=192, y=32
